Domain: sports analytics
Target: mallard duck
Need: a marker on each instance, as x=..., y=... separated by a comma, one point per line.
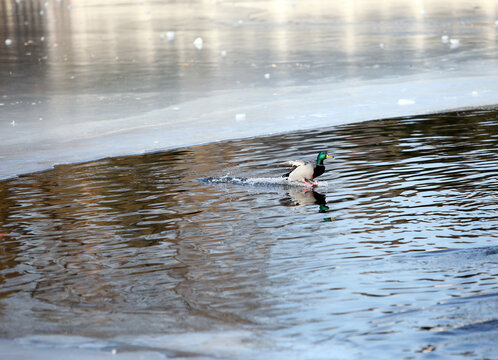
x=306, y=171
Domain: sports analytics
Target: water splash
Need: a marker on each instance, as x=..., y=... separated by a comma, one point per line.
x=258, y=181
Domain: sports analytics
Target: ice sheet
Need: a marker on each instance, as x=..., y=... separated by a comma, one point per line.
x=28, y=147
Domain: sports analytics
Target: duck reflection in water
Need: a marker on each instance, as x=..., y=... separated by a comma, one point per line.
x=302, y=197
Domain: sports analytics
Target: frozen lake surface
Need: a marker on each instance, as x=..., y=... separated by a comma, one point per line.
x=82, y=80
x=396, y=258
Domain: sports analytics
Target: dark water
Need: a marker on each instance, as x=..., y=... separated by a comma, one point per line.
x=395, y=258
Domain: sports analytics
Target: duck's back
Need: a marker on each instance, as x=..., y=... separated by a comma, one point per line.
x=302, y=173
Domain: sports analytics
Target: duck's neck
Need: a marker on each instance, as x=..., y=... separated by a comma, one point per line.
x=319, y=160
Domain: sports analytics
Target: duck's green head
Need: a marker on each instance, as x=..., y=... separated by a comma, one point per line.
x=322, y=156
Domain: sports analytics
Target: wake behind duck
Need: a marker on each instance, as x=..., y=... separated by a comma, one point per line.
x=260, y=181
x=302, y=174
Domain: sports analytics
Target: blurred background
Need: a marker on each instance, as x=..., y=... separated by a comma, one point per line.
x=129, y=47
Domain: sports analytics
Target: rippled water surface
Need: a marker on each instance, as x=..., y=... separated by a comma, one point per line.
x=395, y=258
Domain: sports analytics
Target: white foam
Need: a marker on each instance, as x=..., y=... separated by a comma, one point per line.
x=259, y=181
x=404, y=102
x=240, y=117
x=198, y=43
x=454, y=43
x=170, y=35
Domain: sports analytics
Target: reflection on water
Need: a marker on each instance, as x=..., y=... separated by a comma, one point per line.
x=133, y=246
x=302, y=197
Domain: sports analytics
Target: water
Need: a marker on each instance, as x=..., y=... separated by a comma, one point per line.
x=82, y=80
x=394, y=257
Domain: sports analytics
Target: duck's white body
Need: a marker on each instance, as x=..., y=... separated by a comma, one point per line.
x=302, y=172
x=305, y=171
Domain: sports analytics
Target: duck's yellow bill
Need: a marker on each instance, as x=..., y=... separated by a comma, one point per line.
x=329, y=156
